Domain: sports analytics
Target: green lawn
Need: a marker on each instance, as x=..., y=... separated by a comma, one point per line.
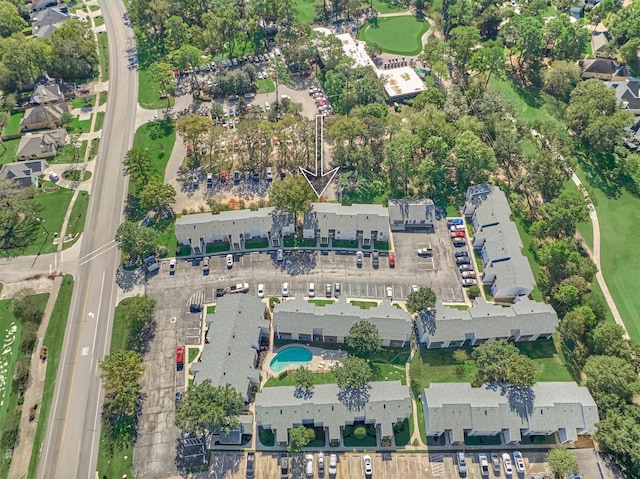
x=53, y=340
x=193, y=354
x=286, y=379
x=364, y=304
x=53, y=211
x=99, y=121
x=295, y=242
x=103, y=98
x=398, y=35
x=389, y=372
x=265, y=85
x=167, y=231
x=545, y=354
x=216, y=248
x=13, y=126
x=78, y=102
x=68, y=154
x=94, y=8
x=526, y=243
x=257, y=244
x=211, y=309
x=98, y=21
x=321, y=302
x=619, y=220
x=78, y=126
x=158, y=138
x=403, y=431
x=344, y=244
x=149, y=96
x=95, y=143
x=9, y=155
x=388, y=6
x=306, y=10
x=103, y=50
x=78, y=216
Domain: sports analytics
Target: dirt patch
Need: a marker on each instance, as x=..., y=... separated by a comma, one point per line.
x=21, y=289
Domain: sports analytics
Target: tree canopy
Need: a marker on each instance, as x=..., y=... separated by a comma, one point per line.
x=499, y=361
x=421, y=300
x=364, y=338
x=137, y=242
x=354, y=373
x=562, y=462
x=293, y=194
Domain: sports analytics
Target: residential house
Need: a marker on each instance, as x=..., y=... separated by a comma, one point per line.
x=304, y=321
x=24, y=173
x=507, y=272
x=46, y=21
x=236, y=229
x=382, y=404
x=42, y=145
x=599, y=39
x=235, y=333
x=628, y=93
x=525, y=320
x=412, y=215
x=39, y=5
x=44, y=116
x=603, y=69
x=577, y=9
x=560, y=409
x=232, y=437
x=364, y=224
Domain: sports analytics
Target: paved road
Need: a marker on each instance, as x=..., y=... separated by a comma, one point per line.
x=71, y=444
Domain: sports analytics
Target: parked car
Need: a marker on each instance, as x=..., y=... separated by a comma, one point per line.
x=327, y=290
x=466, y=282
x=172, y=266
x=484, y=464
x=460, y=254
x=333, y=465
x=465, y=267
x=454, y=221
x=284, y=465
x=312, y=290
x=462, y=464
x=495, y=463
x=261, y=290
x=428, y=251
x=251, y=462
x=375, y=258
x=456, y=228
x=269, y=174
x=205, y=266
x=337, y=289
x=267, y=106
x=53, y=176
x=180, y=356
x=359, y=256
x=506, y=461
x=368, y=467
x=178, y=397
x=308, y=468
x=463, y=260
x=285, y=290
x=458, y=234
x=279, y=255
x=458, y=242
x=321, y=464
x=468, y=274
x=392, y=260
x=519, y=460
x=223, y=177
x=389, y=292
x=195, y=307
x=229, y=260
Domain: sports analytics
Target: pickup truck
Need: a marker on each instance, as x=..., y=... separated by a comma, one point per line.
x=236, y=288
x=428, y=251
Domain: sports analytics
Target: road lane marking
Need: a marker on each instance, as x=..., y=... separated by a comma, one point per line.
x=95, y=332
x=85, y=351
x=96, y=252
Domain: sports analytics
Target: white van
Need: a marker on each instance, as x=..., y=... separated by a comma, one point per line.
x=312, y=290
x=53, y=176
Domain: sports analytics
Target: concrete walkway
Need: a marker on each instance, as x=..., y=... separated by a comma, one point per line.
x=415, y=441
x=33, y=396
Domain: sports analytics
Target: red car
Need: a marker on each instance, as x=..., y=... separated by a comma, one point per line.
x=392, y=260
x=189, y=149
x=458, y=234
x=223, y=177
x=180, y=356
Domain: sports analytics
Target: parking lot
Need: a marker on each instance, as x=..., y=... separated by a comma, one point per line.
x=232, y=465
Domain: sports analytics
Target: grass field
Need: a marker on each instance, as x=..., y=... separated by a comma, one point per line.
x=535, y=267
x=265, y=85
x=103, y=98
x=68, y=154
x=9, y=155
x=78, y=216
x=149, y=96
x=98, y=21
x=306, y=10
x=158, y=138
x=364, y=304
x=13, y=126
x=77, y=126
x=79, y=102
x=387, y=6
x=103, y=50
x=321, y=302
x=99, y=121
x=53, y=341
x=398, y=35
x=95, y=144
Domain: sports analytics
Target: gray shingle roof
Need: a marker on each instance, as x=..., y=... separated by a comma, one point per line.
x=41, y=145
x=547, y=406
x=326, y=216
x=23, y=171
x=411, y=210
x=628, y=92
x=383, y=402
x=50, y=16
x=44, y=114
x=230, y=356
x=487, y=321
x=336, y=319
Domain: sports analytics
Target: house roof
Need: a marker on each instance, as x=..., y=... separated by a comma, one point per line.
x=603, y=66
x=36, y=3
x=44, y=114
x=546, y=406
x=22, y=171
x=50, y=16
x=234, y=332
x=411, y=211
x=347, y=218
x=487, y=321
x=628, y=92
x=382, y=402
x=301, y=316
x=43, y=142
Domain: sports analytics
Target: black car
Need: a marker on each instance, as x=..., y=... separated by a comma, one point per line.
x=463, y=260
x=251, y=462
x=195, y=307
x=460, y=254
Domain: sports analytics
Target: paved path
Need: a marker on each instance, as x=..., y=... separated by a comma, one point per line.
x=595, y=256
x=416, y=439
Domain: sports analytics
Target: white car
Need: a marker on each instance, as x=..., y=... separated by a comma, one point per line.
x=321, y=464
x=333, y=465
x=359, y=256
x=285, y=290
x=269, y=174
x=53, y=176
x=172, y=266
x=368, y=468
x=495, y=462
x=309, y=466
x=519, y=460
x=484, y=464
x=389, y=292
x=312, y=290
x=414, y=288
x=279, y=255
x=261, y=290
x=508, y=468
x=229, y=261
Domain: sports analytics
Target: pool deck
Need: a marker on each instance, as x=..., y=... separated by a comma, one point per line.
x=321, y=361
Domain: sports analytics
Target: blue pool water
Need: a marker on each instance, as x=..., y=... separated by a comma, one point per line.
x=290, y=357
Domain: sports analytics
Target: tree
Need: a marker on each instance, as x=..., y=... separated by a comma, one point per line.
x=421, y=300
x=472, y=160
x=607, y=339
x=303, y=378
x=489, y=60
x=297, y=439
x=18, y=224
x=354, y=373
x=162, y=75
x=521, y=370
x=562, y=462
x=561, y=78
x=608, y=375
x=463, y=40
x=193, y=129
x=137, y=242
x=205, y=408
x=293, y=194
x=364, y=338
x=499, y=361
x=460, y=356
x=138, y=311
x=10, y=20
x=28, y=310
x=121, y=371
x=157, y=196
x=619, y=433
x=137, y=164
x=76, y=55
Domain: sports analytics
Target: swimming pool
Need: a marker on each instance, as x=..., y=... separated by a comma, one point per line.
x=290, y=357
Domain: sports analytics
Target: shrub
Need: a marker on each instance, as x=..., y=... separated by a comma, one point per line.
x=311, y=434
x=273, y=302
x=360, y=432
x=163, y=251
x=474, y=291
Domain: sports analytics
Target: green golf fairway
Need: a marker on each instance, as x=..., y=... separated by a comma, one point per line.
x=399, y=35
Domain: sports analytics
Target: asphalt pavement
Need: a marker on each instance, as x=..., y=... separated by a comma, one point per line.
x=71, y=443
